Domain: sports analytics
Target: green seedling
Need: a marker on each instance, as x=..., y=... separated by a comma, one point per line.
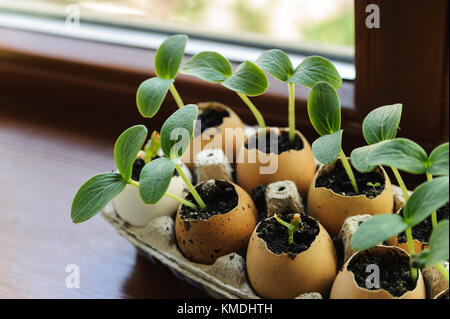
x=93, y=195
x=379, y=129
x=152, y=92
x=152, y=147
x=374, y=186
x=155, y=177
x=247, y=80
x=324, y=110
x=437, y=251
x=425, y=199
x=176, y=135
x=310, y=71
x=292, y=227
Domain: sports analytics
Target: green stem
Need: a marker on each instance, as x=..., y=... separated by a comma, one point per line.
x=433, y=214
x=442, y=269
x=412, y=252
x=176, y=96
x=191, y=187
x=131, y=182
x=182, y=201
x=291, y=112
x=401, y=183
x=349, y=170
x=252, y=107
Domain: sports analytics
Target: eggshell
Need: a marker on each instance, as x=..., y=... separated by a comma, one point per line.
x=228, y=142
x=279, y=276
x=130, y=207
x=297, y=166
x=418, y=245
x=345, y=286
x=332, y=209
x=203, y=241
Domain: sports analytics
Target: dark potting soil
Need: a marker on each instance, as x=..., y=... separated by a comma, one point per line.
x=395, y=271
x=138, y=165
x=337, y=180
x=422, y=231
x=210, y=118
x=277, y=146
x=259, y=198
x=276, y=235
x=220, y=197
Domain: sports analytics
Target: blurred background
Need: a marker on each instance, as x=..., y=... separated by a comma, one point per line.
x=320, y=25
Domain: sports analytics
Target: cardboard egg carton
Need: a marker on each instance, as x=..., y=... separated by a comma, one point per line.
x=226, y=278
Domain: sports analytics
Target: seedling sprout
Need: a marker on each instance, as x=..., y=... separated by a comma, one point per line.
x=324, y=110
x=310, y=71
x=292, y=227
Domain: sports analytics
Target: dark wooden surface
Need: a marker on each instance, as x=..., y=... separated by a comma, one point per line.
x=41, y=167
x=406, y=61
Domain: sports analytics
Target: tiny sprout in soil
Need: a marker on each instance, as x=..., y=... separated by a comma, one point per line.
x=292, y=227
x=373, y=185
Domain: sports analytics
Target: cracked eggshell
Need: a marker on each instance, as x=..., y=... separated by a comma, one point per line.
x=130, y=207
x=228, y=142
x=345, y=286
x=297, y=166
x=203, y=241
x=332, y=209
x=280, y=276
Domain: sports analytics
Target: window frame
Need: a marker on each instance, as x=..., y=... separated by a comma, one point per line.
x=41, y=72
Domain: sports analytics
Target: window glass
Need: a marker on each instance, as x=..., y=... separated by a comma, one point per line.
x=312, y=26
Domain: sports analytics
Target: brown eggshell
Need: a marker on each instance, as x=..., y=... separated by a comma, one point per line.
x=345, y=286
x=220, y=139
x=203, y=241
x=418, y=245
x=280, y=276
x=297, y=166
x=332, y=209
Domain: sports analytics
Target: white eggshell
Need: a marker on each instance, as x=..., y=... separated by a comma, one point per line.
x=130, y=207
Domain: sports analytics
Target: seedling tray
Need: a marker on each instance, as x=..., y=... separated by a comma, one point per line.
x=226, y=278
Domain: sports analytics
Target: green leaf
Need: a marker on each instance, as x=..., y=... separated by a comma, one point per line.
x=439, y=244
x=151, y=94
x=93, y=195
x=382, y=123
x=208, y=66
x=285, y=224
x=401, y=153
x=314, y=69
x=181, y=126
x=169, y=55
x=360, y=158
x=127, y=147
x=425, y=199
x=438, y=161
x=276, y=63
x=376, y=230
x=324, y=108
x=155, y=179
x=326, y=148
x=247, y=79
